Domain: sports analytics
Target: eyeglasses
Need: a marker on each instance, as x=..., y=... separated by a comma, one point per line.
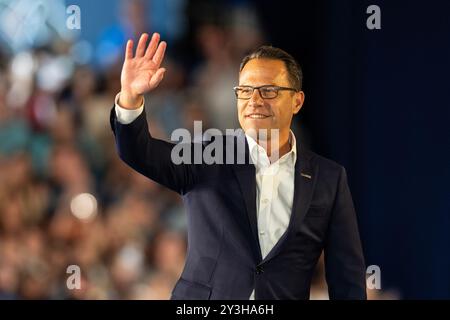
x=266, y=92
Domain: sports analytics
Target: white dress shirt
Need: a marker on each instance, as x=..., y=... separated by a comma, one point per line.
x=274, y=193
x=274, y=186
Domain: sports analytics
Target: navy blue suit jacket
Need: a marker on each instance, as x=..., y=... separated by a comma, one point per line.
x=224, y=258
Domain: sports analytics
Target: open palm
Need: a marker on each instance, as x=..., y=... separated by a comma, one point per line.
x=142, y=73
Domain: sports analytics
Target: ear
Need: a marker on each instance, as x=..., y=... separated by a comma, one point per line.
x=299, y=100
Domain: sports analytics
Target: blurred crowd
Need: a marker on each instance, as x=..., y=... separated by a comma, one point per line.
x=65, y=196
x=128, y=238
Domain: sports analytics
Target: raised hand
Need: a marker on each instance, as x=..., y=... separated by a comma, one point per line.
x=141, y=73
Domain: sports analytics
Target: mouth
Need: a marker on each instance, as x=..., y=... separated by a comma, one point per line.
x=257, y=116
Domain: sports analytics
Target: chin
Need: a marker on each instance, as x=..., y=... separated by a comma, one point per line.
x=252, y=130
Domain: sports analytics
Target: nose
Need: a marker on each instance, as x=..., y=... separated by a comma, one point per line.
x=256, y=99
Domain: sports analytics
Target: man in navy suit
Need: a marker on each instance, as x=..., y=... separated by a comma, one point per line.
x=256, y=228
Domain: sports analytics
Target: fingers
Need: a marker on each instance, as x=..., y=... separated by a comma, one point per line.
x=152, y=46
x=159, y=55
x=157, y=77
x=141, y=45
x=154, y=51
x=129, y=50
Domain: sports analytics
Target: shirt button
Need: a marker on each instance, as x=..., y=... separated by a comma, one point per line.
x=265, y=201
x=262, y=233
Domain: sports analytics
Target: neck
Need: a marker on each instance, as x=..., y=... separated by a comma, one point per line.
x=276, y=149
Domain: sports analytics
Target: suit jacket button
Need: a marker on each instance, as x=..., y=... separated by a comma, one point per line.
x=259, y=270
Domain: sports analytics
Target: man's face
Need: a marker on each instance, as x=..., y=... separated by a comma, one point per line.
x=258, y=113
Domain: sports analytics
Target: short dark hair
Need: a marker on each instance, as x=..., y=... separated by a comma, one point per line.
x=293, y=68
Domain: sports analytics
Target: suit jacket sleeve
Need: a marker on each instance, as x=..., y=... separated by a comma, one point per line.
x=344, y=261
x=149, y=156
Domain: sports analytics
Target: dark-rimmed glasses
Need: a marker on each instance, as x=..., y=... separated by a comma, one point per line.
x=266, y=91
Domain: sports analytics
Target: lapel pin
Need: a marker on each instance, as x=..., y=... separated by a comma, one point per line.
x=305, y=175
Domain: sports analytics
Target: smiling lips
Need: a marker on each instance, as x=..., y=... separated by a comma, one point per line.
x=257, y=116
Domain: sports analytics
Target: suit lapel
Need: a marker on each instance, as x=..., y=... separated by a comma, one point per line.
x=304, y=181
x=246, y=176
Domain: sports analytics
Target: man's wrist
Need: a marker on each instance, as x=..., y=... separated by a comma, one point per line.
x=130, y=101
x=126, y=116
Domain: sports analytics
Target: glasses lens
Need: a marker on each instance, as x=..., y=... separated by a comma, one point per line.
x=268, y=92
x=245, y=93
